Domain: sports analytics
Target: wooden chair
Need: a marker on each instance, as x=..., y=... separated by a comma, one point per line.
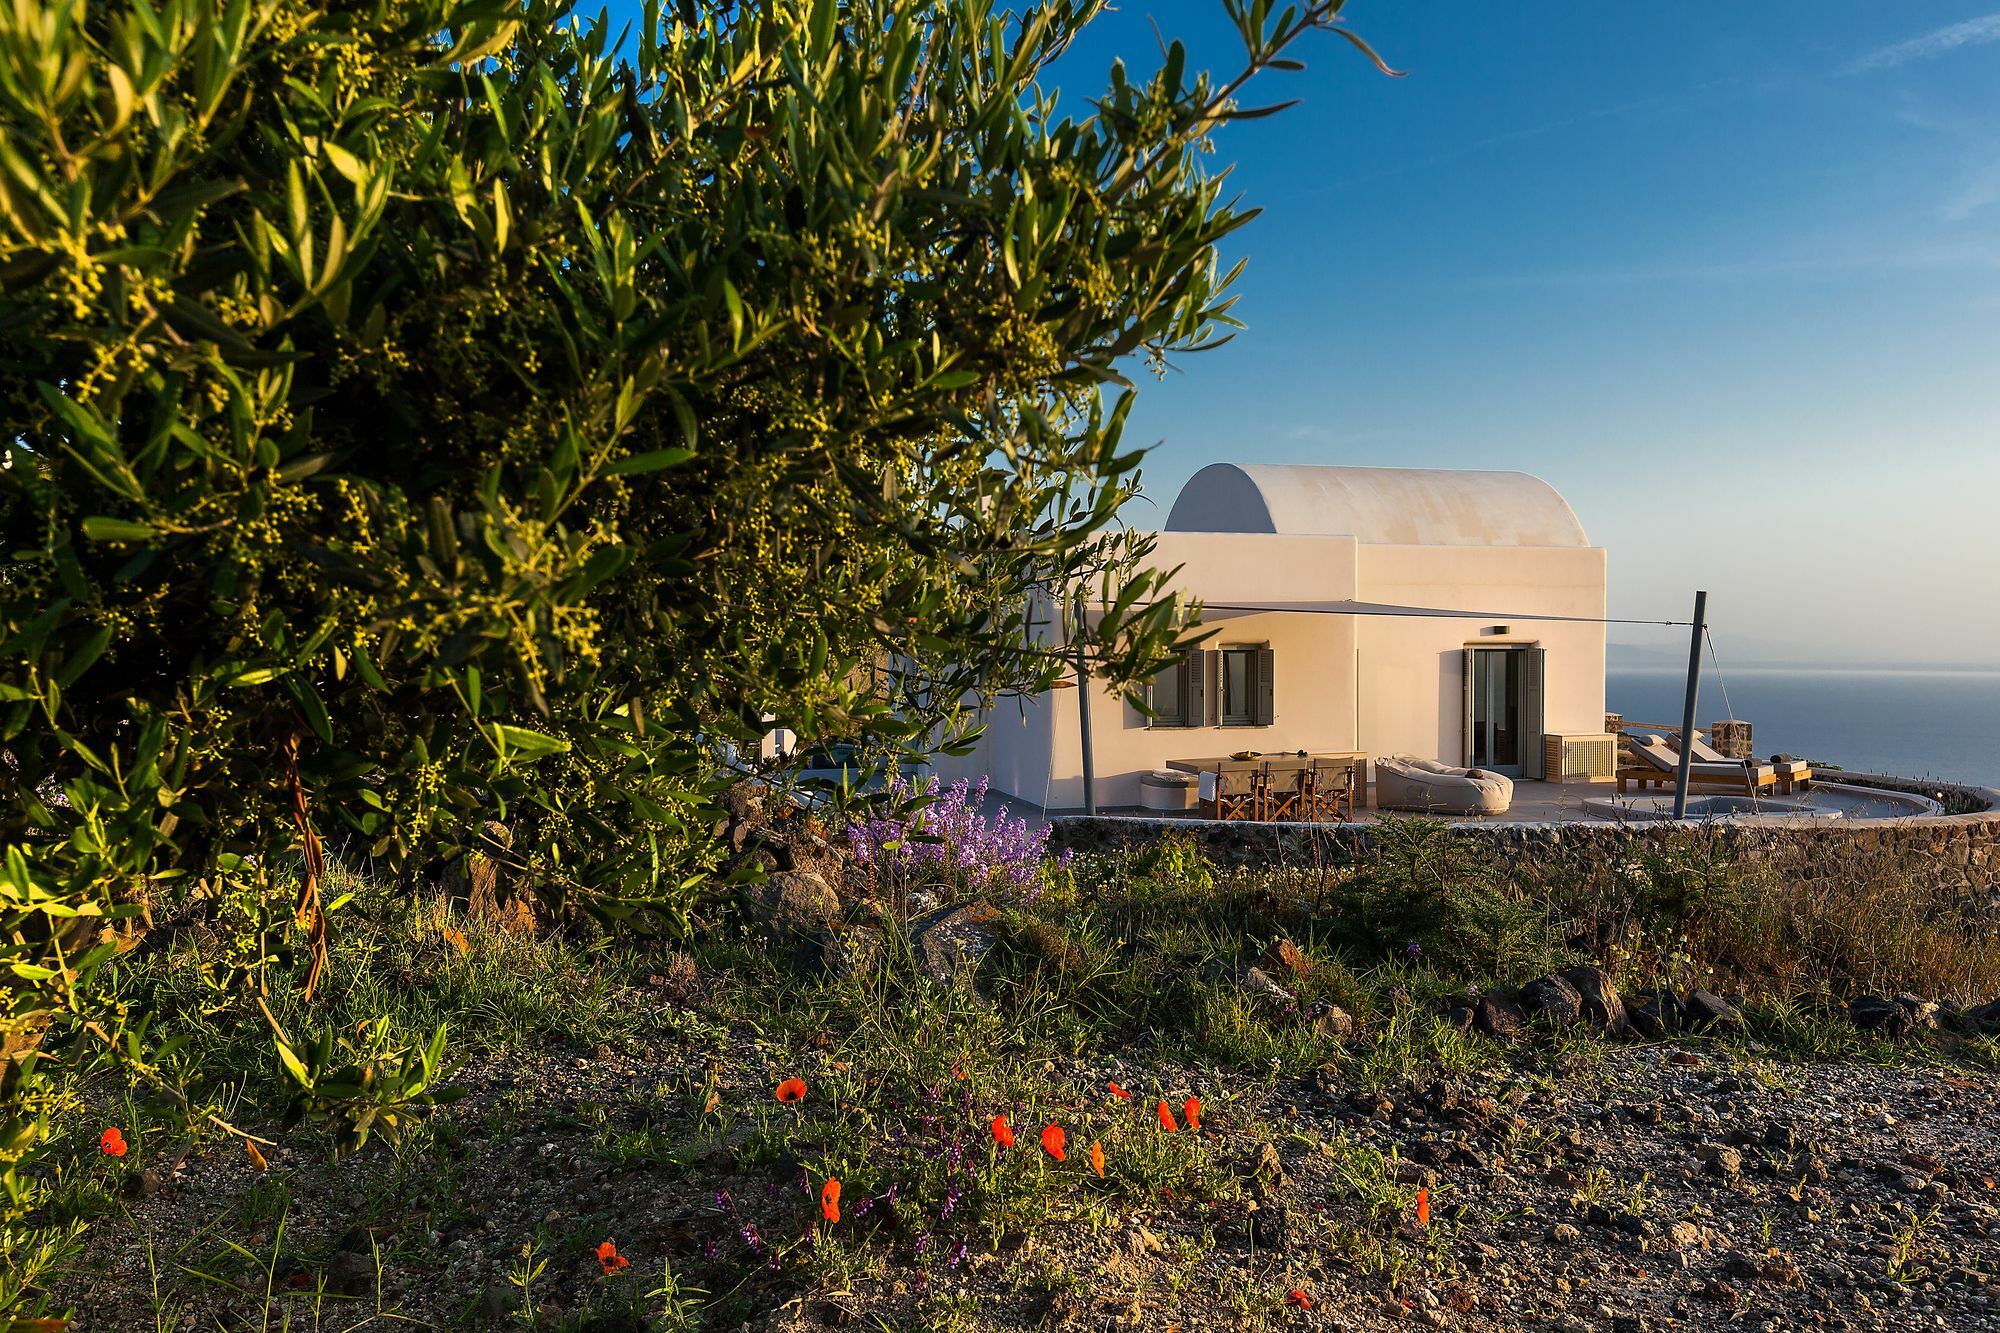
x=1287, y=784
x=1330, y=789
x=1239, y=791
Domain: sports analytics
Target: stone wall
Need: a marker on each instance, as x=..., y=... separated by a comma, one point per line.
x=1961, y=849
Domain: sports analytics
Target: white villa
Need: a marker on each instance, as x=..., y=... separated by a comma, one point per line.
x=1313, y=576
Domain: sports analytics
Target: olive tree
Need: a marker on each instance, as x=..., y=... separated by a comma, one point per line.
x=424, y=411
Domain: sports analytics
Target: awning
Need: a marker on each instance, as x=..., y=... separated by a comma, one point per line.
x=1211, y=611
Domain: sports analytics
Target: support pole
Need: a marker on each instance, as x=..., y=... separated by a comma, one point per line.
x=1083, y=713
x=1687, y=709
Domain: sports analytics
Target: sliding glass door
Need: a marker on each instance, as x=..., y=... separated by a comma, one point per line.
x=1502, y=725
x=1498, y=675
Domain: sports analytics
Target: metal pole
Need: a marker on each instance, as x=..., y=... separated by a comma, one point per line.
x=1687, y=710
x=1083, y=713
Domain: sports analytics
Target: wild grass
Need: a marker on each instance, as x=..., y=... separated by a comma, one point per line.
x=1761, y=913
x=417, y=961
x=1137, y=962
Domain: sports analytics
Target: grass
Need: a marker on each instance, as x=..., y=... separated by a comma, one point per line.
x=415, y=961
x=1133, y=963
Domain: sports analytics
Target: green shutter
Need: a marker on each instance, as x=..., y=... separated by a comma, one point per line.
x=1534, y=668
x=1263, y=690
x=1194, y=670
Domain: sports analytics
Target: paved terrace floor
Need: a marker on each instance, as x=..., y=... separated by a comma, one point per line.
x=1534, y=803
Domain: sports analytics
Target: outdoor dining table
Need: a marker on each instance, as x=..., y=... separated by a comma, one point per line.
x=1286, y=760
x=1359, y=758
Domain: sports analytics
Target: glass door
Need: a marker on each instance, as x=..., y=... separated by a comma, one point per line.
x=1497, y=678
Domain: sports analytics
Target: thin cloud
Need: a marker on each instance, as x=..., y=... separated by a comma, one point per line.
x=1979, y=191
x=1663, y=103
x=1480, y=145
x=1970, y=258
x=1941, y=41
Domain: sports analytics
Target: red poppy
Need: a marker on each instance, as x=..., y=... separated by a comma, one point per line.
x=1119, y=1092
x=1003, y=1133
x=112, y=1142
x=1298, y=1300
x=1167, y=1118
x=609, y=1259
x=829, y=1200
x=1191, y=1112
x=1423, y=1206
x=1053, y=1140
x=792, y=1090
x=1097, y=1159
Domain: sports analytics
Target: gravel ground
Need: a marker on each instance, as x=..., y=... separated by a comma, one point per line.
x=1630, y=1187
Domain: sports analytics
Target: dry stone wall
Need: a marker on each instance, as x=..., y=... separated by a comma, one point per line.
x=1961, y=849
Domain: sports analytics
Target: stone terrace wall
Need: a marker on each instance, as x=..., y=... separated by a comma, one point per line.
x=1962, y=850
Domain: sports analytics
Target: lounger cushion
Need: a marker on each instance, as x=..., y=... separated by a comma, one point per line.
x=1405, y=782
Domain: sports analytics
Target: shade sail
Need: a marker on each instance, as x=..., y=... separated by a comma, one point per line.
x=1211, y=611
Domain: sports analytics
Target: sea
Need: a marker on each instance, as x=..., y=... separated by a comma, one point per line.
x=1919, y=724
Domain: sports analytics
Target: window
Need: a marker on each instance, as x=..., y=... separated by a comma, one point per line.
x=1177, y=696
x=1168, y=696
x=1239, y=668
x=1248, y=688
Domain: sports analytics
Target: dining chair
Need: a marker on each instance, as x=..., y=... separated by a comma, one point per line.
x=1286, y=785
x=1239, y=790
x=1331, y=789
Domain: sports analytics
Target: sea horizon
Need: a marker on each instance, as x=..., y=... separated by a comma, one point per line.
x=1918, y=722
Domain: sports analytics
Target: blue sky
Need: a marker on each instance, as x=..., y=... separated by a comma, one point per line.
x=1728, y=278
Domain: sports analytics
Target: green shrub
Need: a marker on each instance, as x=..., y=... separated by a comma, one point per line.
x=1420, y=891
x=416, y=414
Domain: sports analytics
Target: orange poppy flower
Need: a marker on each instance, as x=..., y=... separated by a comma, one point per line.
x=1119, y=1092
x=1097, y=1159
x=829, y=1200
x=609, y=1259
x=1191, y=1112
x=1003, y=1133
x=1053, y=1140
x=1298, y=1300
x=1167, y=1118
x=112, y=1142
x=792, y=1090
x=1423, y=1206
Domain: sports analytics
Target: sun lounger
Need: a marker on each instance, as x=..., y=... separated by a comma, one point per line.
x=1791, y=773
x=1649, y=760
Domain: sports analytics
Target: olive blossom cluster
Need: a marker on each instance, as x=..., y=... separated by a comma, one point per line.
x=949, y=834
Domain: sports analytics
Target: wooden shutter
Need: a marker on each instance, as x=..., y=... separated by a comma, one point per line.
x=1263, y=691
x=1534, y=666
x=1194, y=688
x=1465, y=725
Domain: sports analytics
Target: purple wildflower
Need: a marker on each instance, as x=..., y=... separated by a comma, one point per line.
x=949, y=834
